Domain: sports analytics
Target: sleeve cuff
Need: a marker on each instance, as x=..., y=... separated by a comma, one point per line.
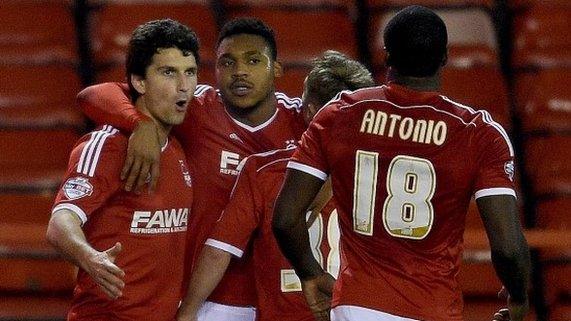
x=225, y=247
x=494, y=191
x=73, y=208
x=308, y=169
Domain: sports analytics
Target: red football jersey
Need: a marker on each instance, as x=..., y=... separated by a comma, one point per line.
x=247, y=219
x=151, y=228
x=214, y=144
x=404, y=165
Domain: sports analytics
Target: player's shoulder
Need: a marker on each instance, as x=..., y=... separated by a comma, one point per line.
x=285, y=102
x=271, y=160
x=205, y=93
x=104, y=143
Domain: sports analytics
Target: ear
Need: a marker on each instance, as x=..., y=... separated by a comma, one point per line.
x=278, y=69
x=138, y=83
x=445, y=58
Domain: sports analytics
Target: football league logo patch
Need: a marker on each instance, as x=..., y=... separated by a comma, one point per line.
x=185, y=173
x=509, y=168
x=77, y=187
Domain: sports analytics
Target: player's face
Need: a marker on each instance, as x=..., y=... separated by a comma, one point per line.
x=245, y=71
x=168, y=85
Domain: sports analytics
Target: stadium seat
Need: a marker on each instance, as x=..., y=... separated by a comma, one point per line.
x=291, y=83
x=482, y=87
x=543, y=100
x=26, y=206
x=554, y=213
x=471, y=37
x=329, y=29
x=113, y=24
x=429, y=3
x=31, y=149
x=548, y=166
x=528, y=3
x=542, y=37
x=37, y=32
x=290, y=3
x=39, y=96
x=51, y=307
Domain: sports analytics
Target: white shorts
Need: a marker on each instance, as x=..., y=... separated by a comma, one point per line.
x=211, y=311
x=355, y=313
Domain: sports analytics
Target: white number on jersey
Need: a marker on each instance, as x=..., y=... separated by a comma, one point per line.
x=289, y=280
x=407, y=211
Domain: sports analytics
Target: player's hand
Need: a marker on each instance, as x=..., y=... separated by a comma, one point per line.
x=102, y=269
x=517, y=310
x=317, y=293
x=143, y=157
x=502, y=315
x=182, y=315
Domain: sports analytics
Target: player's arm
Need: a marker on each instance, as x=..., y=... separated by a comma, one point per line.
x=290, y=228
x=211, y=266
x=230, y=237
x=109, y=103
x=496, y=199
x=510, y=252
x=65, y=234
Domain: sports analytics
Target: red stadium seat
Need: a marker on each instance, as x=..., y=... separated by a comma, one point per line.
x=529, y=3
x=548, y=166
x=291, y=83
x=35, y=307
x=471, y=37
x=26, y=207
x=554, y=213
x=544, y=100
x=289, y=3
x=328, y=29
x=114, y=23
x=37, y=31
x=542, y=37
x=481, y=87
x=39, y=96
x=429, y=3
x=31, y=150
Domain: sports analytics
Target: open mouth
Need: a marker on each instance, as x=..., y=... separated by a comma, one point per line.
x=241, y=88
x=181, y=104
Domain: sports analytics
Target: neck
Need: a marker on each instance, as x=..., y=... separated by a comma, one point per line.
x=431, y=83
x=163, y=129
x=255, y=115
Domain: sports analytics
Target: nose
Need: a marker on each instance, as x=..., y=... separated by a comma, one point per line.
x=184, y=83
x=240, y=69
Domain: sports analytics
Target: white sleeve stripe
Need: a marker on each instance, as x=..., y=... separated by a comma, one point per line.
x=73, y=208
x=201, y=89
x=84, y=151
x=307, y=169
x=92, y=150
x=494, y=191
x=225, y=247
x=98, y=153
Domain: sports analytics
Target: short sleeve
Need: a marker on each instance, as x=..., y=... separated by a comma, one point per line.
x=309, y=156
x=93, y=173
x=242, y=215
x=495, y=161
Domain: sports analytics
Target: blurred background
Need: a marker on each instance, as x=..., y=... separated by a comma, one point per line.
x=510, y=57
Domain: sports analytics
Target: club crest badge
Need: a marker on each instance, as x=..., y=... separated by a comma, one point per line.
x=185, y=173
x=77, y=187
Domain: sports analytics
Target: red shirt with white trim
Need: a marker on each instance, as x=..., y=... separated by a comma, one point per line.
x=151, y=228
x=247, y=219
x=214, y=144
x=404, y=165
